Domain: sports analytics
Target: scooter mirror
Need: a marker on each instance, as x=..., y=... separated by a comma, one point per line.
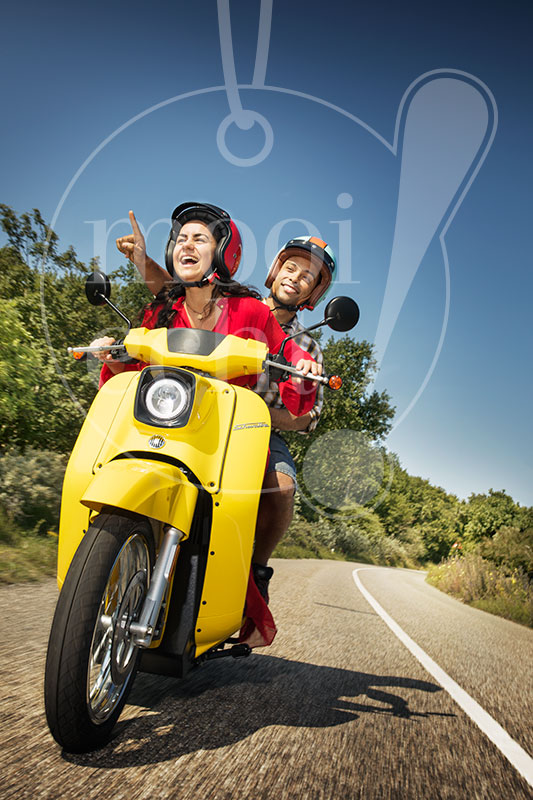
x=97, y=288
x=341, y=314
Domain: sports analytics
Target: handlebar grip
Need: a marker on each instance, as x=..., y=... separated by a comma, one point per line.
x=120, y=354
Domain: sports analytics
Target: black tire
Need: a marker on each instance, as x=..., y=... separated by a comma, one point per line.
x=91, y=663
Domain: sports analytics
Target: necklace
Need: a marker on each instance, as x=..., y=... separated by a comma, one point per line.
x=200, y=314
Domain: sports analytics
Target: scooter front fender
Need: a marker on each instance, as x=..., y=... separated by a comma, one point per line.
x=153, y=489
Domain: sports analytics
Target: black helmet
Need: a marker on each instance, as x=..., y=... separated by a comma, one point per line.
x=229, y=245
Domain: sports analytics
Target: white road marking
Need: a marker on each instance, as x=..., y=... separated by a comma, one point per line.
x=518, y=757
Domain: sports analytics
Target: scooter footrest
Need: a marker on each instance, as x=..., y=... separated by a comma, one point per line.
x=237, y=651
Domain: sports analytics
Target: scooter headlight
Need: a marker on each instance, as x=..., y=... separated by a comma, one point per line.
x=166, y=399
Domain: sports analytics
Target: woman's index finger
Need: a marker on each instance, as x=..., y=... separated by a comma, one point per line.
x=134, y=224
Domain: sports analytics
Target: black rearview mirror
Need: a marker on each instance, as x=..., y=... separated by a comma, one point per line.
x=98, y=291
x=98, y=288
x=341, y=314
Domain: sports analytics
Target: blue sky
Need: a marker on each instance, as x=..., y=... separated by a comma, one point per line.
x=335, y=80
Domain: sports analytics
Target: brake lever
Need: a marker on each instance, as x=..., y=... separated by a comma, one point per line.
x=279, y=365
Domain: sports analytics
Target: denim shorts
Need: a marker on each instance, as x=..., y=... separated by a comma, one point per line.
x=280, y=459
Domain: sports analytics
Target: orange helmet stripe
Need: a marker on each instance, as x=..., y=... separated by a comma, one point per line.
x=319, y=242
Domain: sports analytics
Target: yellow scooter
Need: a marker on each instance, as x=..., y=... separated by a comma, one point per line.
x=158, y=516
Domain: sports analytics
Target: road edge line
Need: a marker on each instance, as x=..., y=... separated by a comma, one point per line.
x=512, y=751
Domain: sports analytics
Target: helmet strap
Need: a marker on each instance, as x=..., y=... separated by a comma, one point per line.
x=282, y=305
x=210, y=276
x=188, y=284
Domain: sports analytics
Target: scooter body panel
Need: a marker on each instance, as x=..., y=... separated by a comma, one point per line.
x=234, y=519
x=74, y=520
x=110, y=430
x=151, y=489
x=200, y=444
x=229, y=357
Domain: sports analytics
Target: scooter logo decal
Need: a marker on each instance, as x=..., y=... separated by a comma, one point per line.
x=157, y=442
x=247, y=425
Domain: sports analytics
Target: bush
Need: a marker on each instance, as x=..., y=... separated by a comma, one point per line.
x=30, y=488
x=355, y=539
x=362, y=537
x=390, y=552
x=304, y=540
x=486, y=585
x=9, y=532
x=511, y=548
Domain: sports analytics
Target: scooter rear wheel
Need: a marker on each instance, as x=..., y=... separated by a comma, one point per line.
x=91, y=660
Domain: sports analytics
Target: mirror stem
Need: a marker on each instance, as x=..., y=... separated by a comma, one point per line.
x=305, y=330
x=118, y=311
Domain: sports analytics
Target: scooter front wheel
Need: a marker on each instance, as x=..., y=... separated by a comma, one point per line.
x=91, y=660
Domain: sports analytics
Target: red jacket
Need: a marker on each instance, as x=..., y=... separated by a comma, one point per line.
x=250, y=319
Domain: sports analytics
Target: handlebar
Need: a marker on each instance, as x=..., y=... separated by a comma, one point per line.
x=107, y=348
x=119, y=352
x=332, y=381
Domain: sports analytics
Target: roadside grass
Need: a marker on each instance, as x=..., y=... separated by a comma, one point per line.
x=26, y=556
x=485, y=585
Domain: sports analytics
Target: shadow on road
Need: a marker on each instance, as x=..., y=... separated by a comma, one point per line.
x=223, y=703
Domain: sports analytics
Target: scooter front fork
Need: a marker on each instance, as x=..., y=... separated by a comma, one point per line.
x=142, y=631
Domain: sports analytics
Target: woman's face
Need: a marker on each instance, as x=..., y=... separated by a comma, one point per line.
x=194, y=251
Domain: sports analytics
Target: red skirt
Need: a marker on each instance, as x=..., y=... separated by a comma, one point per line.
x=259, y=628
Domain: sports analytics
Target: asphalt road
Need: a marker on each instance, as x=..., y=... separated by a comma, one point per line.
x=337, y=707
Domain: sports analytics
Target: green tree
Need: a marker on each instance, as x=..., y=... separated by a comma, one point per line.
x=49, y=311
x=21, y=372
x=425, y=518
x=30, y=237
x=15, y=277
x=510, y=548
x=486, y=514
x=437, y=524
x=131, y=292
x=349, y=408
x=525, y=518
x=394, y=507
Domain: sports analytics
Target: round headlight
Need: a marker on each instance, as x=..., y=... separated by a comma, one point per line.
x=166, y=399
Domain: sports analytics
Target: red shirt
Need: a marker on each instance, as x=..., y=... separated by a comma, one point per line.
x=250, y=319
